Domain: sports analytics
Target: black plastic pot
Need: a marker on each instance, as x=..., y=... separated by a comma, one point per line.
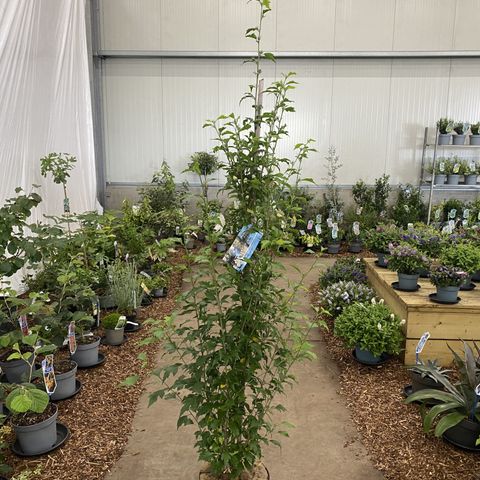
x=422, y=383
x=381, y=259
x=464, y=435
x=333, y=248
x=355, y=247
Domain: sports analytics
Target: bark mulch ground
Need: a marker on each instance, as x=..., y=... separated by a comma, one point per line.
x=100, y=415
x=390, y=430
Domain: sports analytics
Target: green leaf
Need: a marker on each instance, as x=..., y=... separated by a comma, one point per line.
x=448, y=421
x=435, y=411
x=129, y=381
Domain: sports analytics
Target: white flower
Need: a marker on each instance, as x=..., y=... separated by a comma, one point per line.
x=379, y=326
x=403, y=322
x=392, y=316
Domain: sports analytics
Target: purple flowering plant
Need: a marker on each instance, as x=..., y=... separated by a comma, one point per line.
x=344, y=269
x=444, y=276
x=406, y=259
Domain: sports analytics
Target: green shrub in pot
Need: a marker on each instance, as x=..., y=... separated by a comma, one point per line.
x=448, y=281
x=370, y=326
x=445, y=125
x=377, y=240
x=464, y=255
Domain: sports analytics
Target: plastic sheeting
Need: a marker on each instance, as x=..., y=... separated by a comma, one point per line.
x=45, y=101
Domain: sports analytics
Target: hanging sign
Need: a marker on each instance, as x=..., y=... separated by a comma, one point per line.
x=49, y=374
x=318, y=229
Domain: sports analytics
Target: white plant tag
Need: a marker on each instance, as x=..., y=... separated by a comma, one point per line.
x=421, y=343
x=318, y=219
x=122, y=320
x=200, y=223
x=145, y=274
x=466, y=213
x=452, y=213
x=477, y=390
x=437, y=214
x=302, y=232
x=310, y=225
x=410, y=227
x=441, y=167
x=339, y=216
x=472, y=166
x=329, y=222
x=318, y=229
x=359, y=210
x=465, y=223
x=335, y=231
x=456, y=168
x=293, y=223
x=451, y=224
x=356, y=228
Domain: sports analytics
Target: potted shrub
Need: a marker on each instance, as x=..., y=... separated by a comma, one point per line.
x=377, y=241
x=439, y=175
x=87, y=345
x=66, y=377
x=457, y=408
x=34, y=417
x=334, y=240
x=448, y=281
x=454, y=168
x=310, y=241
x=460, y=128
x=335, y=297
x=372, y=329
x=445, y=127
x=471, y=170
x=355, y=239
x=15, y=369
x=464, y=255
x=114, y=326
x=475, y=136
x=158, y=286
x=407, y=261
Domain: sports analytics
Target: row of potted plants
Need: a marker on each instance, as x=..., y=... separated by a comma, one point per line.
x=451, y=169
x=446, y=126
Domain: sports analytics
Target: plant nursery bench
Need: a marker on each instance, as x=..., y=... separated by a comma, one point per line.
x=446, y=323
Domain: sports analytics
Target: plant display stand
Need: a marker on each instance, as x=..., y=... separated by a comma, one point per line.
x=446, y=323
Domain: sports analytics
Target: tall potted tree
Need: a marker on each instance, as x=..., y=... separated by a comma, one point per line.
x=233, y=362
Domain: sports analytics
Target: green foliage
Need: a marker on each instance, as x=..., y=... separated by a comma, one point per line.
x=232, y=363
x=27, y=399
x=475, y=128
x=344, y=269
x=377, y=240
x=406, y=259
x=461, y=127
x=459, y=401
x=335, y=297
x=125, y=286
x=310, y=240
x=409, y=207
x=16, y=249
x=371, y=327
x=203, y=164
x=445, y=125
x=332, y=197
x=58, y=165
x=442, y=276
x=372, y=199
x=110, y=321
x=464, y=255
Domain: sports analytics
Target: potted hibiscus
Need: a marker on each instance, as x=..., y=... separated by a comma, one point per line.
x=448, y=281
x=372, y=329
x=407, y=261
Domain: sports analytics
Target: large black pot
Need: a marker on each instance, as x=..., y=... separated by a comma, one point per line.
x=423, y=383
x=464, y=435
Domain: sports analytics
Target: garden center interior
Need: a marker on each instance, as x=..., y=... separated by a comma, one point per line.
x=239, y=239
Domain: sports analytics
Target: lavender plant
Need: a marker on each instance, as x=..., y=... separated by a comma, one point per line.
x=443, y=276
x=406, y=259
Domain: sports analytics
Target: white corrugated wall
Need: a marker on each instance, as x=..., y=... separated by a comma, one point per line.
x=373, y=110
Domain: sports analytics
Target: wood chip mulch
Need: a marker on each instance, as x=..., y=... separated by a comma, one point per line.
x=100, y=416
x=391, y=430
x=300, y=252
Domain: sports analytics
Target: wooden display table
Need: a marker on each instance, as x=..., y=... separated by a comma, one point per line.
x=446, y=323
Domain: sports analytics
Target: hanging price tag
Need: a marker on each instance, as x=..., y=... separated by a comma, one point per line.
x=329, y=222
x=318, y=229
x=22, y=321
x=466, y=213
x=456, y=168
x=318, y=219
x=72, y=341
x=421, y=344
x=310, y=225
x=452, y=213
x=49, y=374
x=356, y=228
x=66, y=205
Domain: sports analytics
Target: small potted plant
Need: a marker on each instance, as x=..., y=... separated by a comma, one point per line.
x=464, y=255
x=372, y=329
x=475, y=136
x=15, y=369
x=460, y=128
x=310, y=241
x=158, y=286
x=66, y=378
x=335, y=297
x=355, y=239
x=114, y=326
x=458, y=406
x=448, y=281
x=439, y=175
x=445, y=127
x=471, y=171
x=377, y=241
x=334, y=239
x=407, y=261
x=87, y=345
x=221, y=245
x=189, y=241
x=454, y=168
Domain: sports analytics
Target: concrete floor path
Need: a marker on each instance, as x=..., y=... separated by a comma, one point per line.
x=323, y=446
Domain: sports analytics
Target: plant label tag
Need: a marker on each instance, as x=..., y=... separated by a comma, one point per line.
x=472, y=166
x=318, y=219
x=145, y=288
x=115, y=246
x=72, y=340
x=466, y=213
x=145, y=274
x=421, y=343
x=410, y=227
x=335, y=231
x=456, y=168
x=96, y=311
x=359, y=210
x=66, y=205
x=135, y=209
x=134, y=299
x=49, y=374
x=200, y=223
x=22, y=321
x=464, y=223
x=318, y=229
x=310, y=225
x=452, y=213
x=283, y=225
x=451, y=224
x=177, y=230
x=477, y=390
x=329, y=222
x=441, y=167
x=478, y=216
x=122, y=320
x=293, y=222
x=302, y=233
x=437, y=214
x=339, y=216
x=356, y=228
x=127, y=256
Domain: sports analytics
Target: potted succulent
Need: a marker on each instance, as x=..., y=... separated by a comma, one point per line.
x=460, y=128
x=372, y=329
x=454, y=168
x=475, y=136
x=458, y=406
x=34, y=417
x=336, y=296
x=448, y=281
x=114, y=326
x=464, y=255
x=407, y=261
x=445, y=127
x=421, y=377
x=377, y=241
x=471, y=170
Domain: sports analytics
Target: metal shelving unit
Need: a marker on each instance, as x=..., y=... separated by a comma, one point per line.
x=430, y=185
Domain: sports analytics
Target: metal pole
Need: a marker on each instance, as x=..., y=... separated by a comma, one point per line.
x=434, y=166
x=422, y=171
